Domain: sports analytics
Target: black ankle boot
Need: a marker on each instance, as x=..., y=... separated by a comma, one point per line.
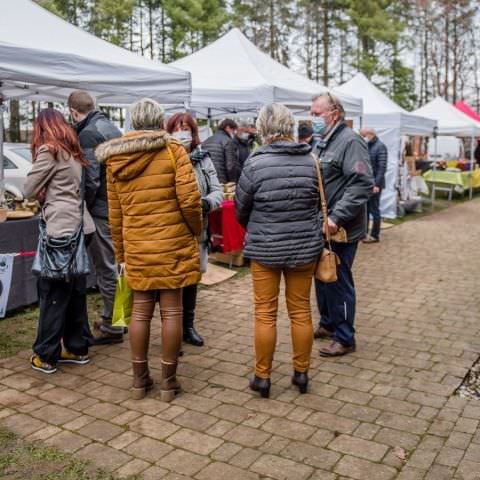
x=261, y=385
x=300, y=380
x=190, y=335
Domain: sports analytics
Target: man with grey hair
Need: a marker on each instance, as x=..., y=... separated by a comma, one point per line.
x=378, y=159
x=348, y=181
x=94, y=128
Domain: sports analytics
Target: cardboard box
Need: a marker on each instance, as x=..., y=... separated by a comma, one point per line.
x=235, y=258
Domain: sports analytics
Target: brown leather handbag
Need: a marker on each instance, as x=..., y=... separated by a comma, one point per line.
x=326, y=269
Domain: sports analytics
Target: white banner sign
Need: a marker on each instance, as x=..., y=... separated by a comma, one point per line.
x=6, y=269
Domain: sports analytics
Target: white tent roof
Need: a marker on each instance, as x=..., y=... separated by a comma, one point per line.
x=233, y=75
x=451, y=121
x=42, y=57
x=381, y=112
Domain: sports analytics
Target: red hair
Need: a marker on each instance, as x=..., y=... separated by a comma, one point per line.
x=184, y=119
x=52, y=130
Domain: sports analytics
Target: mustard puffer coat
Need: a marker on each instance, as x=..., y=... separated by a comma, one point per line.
x=154, y=209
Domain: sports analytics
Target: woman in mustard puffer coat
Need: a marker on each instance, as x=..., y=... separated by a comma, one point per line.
x=156, y=218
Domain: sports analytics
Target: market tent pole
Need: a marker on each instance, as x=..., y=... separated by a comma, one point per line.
x=435, y=136
x=2, y=176
x=209, y=120
x=472, y=163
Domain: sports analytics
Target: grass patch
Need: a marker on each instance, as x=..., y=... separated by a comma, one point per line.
x=19, y=327
x=20, y=460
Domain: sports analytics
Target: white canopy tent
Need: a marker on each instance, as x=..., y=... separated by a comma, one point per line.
x=232, y=75
x=44, y=58
x=452, y=122
x=390, y=121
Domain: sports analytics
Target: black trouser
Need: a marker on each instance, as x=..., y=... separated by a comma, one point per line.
x=374, y=212
x=63, y=315
x=336, y=301
x=189, y=300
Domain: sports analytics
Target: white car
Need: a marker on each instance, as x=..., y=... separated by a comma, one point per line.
x=17, y=162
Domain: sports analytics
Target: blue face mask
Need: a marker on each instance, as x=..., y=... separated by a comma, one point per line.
x=319, y=126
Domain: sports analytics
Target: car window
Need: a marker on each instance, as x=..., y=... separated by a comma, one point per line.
x=7, y=163
x=24, y=152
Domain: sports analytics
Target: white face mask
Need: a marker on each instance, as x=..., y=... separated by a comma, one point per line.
x=244, y=136
x=184, y=137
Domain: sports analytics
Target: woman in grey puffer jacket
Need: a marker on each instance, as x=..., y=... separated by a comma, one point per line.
x=183, y=127
x=277, y=201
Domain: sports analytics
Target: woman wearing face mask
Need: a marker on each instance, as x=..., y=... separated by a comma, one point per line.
x=184, y=128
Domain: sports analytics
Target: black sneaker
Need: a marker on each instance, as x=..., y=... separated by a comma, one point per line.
x=104, y=338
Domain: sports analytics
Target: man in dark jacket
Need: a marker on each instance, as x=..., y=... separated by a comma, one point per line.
x=94, y=128
x=245, y=141
x=223, y=151
x=348, y=180
x=378, y=159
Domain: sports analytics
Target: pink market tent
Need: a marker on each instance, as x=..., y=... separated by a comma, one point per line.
x=467, y=110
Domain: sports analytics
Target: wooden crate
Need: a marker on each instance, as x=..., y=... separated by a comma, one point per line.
x=235, y=258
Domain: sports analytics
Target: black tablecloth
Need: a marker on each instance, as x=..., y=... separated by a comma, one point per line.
x=17, y=236
x=21, y=236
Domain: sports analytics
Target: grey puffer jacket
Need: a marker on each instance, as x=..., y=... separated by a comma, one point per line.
x=277, y=201
x=224, y=154
x=95, y=129
x=348, y=179
x=208, y=184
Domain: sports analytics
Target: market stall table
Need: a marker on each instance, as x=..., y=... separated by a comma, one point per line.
x=19, y=238
x=455, y=180
x=227, y=234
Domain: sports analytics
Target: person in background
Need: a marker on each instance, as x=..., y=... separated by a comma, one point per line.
x=305, y=133
x=280, y=178
x=378, y=160
x=476, y=152
x=156, y=217
x=94, y=128
x=245, y=140
x=56, y=181
x=223, y=151
x=348, y=180
x=184, y=128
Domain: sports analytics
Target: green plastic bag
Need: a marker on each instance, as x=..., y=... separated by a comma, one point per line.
x=122, y=308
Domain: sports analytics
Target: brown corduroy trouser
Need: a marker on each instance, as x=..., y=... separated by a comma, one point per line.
x=266, y=287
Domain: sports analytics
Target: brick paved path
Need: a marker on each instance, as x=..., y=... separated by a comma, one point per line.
x=418, y=334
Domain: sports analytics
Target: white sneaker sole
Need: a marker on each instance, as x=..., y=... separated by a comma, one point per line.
x=38, y=369
x=74, y=362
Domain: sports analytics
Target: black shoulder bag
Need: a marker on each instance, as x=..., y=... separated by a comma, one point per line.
x=63, y=257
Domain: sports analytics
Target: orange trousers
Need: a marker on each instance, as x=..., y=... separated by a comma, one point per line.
x=266, y=287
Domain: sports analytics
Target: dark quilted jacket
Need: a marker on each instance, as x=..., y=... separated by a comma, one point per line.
x=277, y=201
x=95, y=129
x=378, y=159
x=224, y=154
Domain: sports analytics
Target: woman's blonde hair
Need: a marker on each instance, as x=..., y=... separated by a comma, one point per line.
x=275, y=121
x=147, y=114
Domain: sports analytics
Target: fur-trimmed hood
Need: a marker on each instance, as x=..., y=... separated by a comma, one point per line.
x=129, y=155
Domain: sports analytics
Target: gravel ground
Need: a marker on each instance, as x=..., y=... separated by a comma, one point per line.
x=470, y=388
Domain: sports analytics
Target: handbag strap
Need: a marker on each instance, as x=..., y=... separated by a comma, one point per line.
x=323, y=201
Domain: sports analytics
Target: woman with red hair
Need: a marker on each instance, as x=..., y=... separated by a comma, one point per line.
x=56, y=181
x=184, y=128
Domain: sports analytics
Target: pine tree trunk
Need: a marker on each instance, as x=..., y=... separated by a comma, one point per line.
x=150, y=27
x=326, y=44
x=15, y=134
x=272, y=28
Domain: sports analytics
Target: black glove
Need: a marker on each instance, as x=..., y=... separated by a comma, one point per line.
x=205, y=206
